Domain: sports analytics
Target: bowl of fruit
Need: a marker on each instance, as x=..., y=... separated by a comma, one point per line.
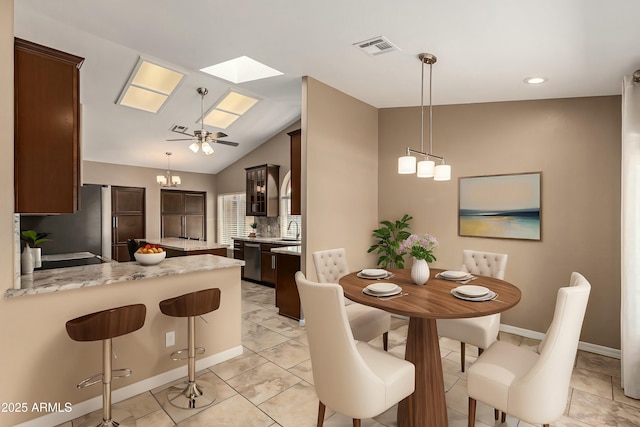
x=150, y=254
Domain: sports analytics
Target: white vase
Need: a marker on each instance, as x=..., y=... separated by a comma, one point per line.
x=420, y=271
x=36, y=254
x=26, y=261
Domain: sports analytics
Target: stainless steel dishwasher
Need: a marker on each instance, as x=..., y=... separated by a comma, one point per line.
x=252, y=261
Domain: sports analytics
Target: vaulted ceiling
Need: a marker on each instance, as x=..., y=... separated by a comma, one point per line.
x=485, y=49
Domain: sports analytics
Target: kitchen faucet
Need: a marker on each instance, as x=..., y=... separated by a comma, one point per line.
x=297, y=229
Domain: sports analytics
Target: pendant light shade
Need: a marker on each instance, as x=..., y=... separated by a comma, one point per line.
x=406, y=165
x=442, y=173
x=426, y=168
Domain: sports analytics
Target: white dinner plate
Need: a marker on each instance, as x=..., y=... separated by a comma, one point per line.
x=472, y=290
x=374, y=272
x=381, y=287
x=386, y=276
x=384, y=294
x=488, y=297
x=455, y=275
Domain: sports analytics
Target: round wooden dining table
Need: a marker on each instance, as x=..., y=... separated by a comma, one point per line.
x=423, y=304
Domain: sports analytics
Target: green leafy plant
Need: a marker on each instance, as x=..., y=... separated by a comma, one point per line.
x=253, y=226
x=389, y=237
x=33, y=238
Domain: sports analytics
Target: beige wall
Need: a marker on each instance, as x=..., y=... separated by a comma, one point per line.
x=339, y=174
x=131, y=176
x=274, y=151
x=9, y=323
x=576, y=145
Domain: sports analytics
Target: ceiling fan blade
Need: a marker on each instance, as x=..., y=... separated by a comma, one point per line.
x=181, y=139
x=218, y=135
x=233, y=144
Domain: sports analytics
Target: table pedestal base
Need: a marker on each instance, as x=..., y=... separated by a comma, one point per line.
x=427, y=405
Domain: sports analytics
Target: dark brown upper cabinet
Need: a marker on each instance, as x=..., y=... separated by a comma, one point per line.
x=262, y=190
x=296, y=172
x=183, y=214
x=47, y=129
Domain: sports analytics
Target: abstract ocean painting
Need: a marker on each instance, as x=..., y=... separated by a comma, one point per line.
x=500, y=206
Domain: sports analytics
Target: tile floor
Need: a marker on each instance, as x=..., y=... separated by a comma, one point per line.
x=271, y=383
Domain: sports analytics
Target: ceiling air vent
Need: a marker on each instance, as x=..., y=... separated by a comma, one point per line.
x=376, y=46
x=178, y=128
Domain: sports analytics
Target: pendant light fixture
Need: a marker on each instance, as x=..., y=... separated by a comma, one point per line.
x=168, y=180
x=426, y=168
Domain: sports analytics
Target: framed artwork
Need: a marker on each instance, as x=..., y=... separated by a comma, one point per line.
x=500, y=206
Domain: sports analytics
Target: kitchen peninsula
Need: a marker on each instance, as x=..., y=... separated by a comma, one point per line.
x=49, y=364
x=175, y=246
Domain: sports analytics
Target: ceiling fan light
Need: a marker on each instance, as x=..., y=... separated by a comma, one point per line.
x=206, y=148
x=195, y=147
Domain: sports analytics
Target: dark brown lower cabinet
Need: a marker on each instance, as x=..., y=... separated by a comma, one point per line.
x=267, y=265
x=287, y=297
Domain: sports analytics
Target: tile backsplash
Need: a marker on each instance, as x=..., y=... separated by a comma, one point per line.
x=268, y=226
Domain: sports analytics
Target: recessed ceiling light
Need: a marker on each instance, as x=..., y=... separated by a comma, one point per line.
x=535, y=80
x=240, y=70
x=149, y=86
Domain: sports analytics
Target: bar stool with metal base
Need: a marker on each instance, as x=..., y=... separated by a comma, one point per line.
x=191, y=305
x=104, y=326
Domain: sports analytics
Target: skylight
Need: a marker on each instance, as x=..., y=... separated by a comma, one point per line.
x=240, y=70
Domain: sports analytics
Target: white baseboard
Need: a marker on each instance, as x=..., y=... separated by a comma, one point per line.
x=82, y=408
x=584, y=346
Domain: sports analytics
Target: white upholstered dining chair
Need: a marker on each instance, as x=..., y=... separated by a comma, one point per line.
x=533, y=385
x=351, y=377
x=478, y=331
x=366, y=323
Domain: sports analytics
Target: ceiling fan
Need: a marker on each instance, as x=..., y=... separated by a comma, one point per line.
x=202, y=137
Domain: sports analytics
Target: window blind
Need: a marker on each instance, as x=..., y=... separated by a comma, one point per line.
x=232, y=219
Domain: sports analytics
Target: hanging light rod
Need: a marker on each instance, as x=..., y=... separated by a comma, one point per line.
x=425, y=168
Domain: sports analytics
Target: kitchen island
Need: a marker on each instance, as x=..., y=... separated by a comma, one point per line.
x=44, y=365
x=175, y=246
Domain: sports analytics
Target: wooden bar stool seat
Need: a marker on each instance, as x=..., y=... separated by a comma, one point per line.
x=191, y=396
x=104, y=326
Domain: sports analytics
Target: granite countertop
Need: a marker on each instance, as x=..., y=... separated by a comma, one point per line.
x=61, y=279
x=185, y=244
x=268, y=240
x=288, y=250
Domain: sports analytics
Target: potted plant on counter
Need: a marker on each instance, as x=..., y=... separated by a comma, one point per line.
x=32, y=240
x=253, y=226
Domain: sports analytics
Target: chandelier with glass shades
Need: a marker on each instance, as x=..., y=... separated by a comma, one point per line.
x=168, y=180
x=426, y=168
